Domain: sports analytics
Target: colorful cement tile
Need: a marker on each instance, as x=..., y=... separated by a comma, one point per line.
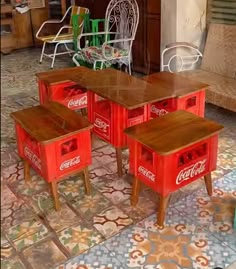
x=111, y=221
x=35, y=185
x=90, y=205
x=7, y=196
x=27, y=233
x=43, y=202
x=6, y=249
x=78, y=239
x=14, y=263
x=44, y=255
x=105, y=154
x=72, y=188
x=13, y=173
x=97, y=257
x=116, y=191
x=99, y=172
x=215, y=213
x=175, y=246
x=15, y=213
x=63, y=218
x=144, y=208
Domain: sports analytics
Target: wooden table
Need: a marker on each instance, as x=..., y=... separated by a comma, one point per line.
x=55, y=141
x=125, y=94
x=172, y=151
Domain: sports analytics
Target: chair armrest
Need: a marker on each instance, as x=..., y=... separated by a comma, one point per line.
x=187, y=60
x=47, y=22
x=61, y=29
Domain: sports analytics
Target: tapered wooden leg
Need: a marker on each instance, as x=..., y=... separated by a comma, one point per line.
x=86, y=181
x=26, y=171
x=162, y=209
x=135, y=191
x=55, y=195
x=208, y=183
x=119, y=161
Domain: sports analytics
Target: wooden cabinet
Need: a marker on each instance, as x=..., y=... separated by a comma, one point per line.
x=146, y=47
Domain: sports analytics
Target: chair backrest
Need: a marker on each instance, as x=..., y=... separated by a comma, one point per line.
x=220, y=50
x=77, y=10
x=122, y=16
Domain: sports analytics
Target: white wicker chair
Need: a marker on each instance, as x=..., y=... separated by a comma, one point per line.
x=64, y=35
x=121, y=22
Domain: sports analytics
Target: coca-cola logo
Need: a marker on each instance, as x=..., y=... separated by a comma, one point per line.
x=69, y=163
x=99, y=123
x=157, y=111
x=32, y=157
x=146, y=173
x=191, y=171
x=77, y=102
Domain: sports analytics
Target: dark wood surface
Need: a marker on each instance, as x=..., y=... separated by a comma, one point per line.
x=50, y=122
x=132, y=92
x=64, y=75
x=180, y=85
x=173, y=131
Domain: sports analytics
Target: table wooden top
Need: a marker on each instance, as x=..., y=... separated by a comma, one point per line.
x=50, y=121
x=132, y=92
x=64, y=75
x=174, y=83
x=173, y=131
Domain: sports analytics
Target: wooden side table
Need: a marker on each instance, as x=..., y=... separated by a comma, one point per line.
x=55, y=141
x=172, y=151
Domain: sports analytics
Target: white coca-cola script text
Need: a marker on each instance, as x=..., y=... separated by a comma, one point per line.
x=146, y=173
x=32, y=157
x=77, y=102
x=99, y=123
x=191, y=171
x=71, y=162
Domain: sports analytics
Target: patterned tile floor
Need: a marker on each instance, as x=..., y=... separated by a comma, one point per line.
x=102, y=230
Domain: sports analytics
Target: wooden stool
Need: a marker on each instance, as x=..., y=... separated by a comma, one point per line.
x=55, y=141
x=170, y=152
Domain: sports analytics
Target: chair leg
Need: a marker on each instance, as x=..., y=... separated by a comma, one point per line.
x=42, y=53
x=54, y=54
x=129, y=66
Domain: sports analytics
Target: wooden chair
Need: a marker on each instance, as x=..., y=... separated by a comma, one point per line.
x=65, y=34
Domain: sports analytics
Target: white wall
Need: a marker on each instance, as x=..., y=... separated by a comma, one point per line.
x=183, y=20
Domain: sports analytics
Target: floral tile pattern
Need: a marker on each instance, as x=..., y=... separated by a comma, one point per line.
x=14, y=263
x=26, y=233
x=102, y=230
x=45, y=253
x=79, y=238
x=97, y=257
x=111, y=221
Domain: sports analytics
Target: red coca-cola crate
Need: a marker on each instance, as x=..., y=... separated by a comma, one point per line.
x=167, y=173
x=55, y=141
x=57, y=86
x=110, y=119
x=68, y=94
x=172, y=151
x=193, y=102
x=58, y=159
